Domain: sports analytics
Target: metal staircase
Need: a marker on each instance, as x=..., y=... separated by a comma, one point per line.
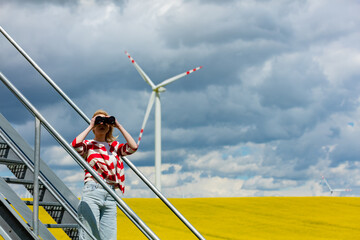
x=17, y=221
x=54, y=196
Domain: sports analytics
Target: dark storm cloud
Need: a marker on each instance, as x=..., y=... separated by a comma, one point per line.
x=248, y=22
x=291, y=84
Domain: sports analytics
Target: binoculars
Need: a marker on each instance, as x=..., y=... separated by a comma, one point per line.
x=105, y=120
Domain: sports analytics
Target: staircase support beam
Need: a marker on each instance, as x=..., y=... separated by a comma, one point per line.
x=36, y=176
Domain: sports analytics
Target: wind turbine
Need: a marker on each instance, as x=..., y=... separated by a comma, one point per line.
x=155, y=97
x=334, y=190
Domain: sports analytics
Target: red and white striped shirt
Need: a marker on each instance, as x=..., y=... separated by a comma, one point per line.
x=97, y=154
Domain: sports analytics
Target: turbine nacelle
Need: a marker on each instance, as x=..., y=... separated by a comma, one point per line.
x=160, y=89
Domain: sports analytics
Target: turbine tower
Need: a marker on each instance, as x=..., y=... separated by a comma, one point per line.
x=334, y=190
x=155, y=97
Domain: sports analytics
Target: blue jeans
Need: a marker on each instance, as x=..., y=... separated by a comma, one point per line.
x=97, y=211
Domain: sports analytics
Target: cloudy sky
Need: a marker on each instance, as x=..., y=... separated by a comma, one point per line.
x=275, y=107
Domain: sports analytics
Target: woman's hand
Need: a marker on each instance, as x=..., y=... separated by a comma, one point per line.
x=92, y=122
x=117, y=124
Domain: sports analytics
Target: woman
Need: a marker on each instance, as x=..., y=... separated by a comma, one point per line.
x=97, y=209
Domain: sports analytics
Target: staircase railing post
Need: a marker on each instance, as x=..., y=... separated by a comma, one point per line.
x=36, y=177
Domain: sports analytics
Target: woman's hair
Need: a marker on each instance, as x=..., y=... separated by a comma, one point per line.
x=108, y=137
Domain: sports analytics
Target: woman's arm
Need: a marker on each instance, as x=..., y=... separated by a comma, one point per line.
x=131, y=142
x=81, y=137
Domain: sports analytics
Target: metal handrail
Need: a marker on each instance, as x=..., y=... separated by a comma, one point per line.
x=127, y=161
x=76, y=156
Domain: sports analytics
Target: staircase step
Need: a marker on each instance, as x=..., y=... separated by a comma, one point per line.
x=7, y=161
x=4, y=149
x=43, y=203
x=61, y=225
x=54, y=209
x=18, y=181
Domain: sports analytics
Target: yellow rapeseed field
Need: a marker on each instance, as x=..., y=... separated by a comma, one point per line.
x=244, y=218
x=249, y=218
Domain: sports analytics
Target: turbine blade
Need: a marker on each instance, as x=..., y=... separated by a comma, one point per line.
x=170, y=80
x=141, y=72
x=327, y=184
x=147, y=113
x=342, y=190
